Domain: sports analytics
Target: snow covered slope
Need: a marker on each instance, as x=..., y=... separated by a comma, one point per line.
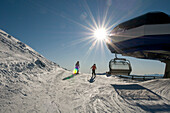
x=21, y=71
x=29, y=83
x=17, y=54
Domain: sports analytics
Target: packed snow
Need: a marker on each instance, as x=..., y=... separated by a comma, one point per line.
x=29, y=83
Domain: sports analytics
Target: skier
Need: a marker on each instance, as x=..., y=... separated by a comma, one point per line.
x=93, y=71
x=77, y=66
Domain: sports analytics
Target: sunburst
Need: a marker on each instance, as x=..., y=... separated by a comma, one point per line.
x=100, y=34
x=96, y=31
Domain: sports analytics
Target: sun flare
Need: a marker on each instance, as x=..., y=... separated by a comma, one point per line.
x=100, y=34
x=96, y=32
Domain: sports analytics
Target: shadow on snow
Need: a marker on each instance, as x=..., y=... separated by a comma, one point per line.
x=137, y=92
x=71, y=76
x=92, y=79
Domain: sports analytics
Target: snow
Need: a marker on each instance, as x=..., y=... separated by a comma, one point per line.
x=30, y=83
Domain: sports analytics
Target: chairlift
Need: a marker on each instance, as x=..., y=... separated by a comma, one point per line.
x=119, y=66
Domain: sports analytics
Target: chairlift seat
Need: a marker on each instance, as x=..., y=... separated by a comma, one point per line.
x=120, y=66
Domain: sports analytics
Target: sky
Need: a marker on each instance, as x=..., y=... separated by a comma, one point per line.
x=61, y=30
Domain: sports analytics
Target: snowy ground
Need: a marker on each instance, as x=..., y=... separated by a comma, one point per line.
x=31, y=84
x=48, y=93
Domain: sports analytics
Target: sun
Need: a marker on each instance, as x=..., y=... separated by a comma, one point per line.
x=100, y=34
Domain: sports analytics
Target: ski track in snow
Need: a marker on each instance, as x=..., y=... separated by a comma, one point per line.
x=29, y=83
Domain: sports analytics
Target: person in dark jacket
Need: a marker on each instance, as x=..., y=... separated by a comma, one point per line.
x=93, y=71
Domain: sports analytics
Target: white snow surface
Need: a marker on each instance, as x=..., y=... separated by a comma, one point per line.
x=29, y=83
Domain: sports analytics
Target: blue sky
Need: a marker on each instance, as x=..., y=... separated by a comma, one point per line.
x=54, y=28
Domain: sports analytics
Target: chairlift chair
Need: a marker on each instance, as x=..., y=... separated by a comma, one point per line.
x=119, y=66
